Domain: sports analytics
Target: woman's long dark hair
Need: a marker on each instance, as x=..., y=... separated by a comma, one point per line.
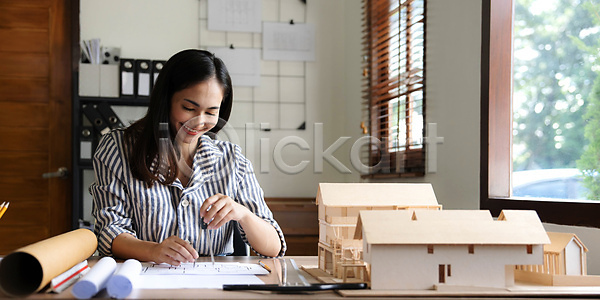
x=182, y=70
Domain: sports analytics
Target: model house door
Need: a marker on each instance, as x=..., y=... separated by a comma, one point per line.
x=35, y=120
x=444, y=271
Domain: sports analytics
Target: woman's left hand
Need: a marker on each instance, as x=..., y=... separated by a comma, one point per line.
x=220, y=209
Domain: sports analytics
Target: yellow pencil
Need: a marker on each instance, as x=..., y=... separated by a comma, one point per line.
x=4, y=208
x=264, y=266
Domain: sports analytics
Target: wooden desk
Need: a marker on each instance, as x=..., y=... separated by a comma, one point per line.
x=272, y=278
x=308, y=261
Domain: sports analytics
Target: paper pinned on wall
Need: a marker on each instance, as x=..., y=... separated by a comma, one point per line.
x=285, y=41
x=243, y=64
x=234, y=15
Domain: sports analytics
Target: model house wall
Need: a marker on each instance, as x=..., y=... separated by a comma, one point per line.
x=426, y=248
x=339, y=207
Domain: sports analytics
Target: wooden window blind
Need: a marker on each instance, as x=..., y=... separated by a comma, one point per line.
x=394, y=87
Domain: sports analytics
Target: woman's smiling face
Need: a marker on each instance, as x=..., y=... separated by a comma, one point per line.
x=195, y=110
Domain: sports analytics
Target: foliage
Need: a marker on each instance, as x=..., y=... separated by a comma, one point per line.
x=589, y=163
x=553, y=76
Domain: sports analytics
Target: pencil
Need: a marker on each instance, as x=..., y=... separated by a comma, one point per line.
x=3, y=208
x=264, y=266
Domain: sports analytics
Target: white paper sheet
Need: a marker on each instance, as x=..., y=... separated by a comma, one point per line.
x=284, y=41
x=234, y=15
x=243, y=64
x=204, y=268
x=194, y=281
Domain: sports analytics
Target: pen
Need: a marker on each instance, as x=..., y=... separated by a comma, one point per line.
x=3, y=208
x=264, y=266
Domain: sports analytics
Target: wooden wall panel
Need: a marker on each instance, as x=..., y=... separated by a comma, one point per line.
x=32, y=164
x=21, y=89
x=24, y=139
x=24, y=18
x=24, y=41
x=24, y=4
x=24, y=65
x=20, y=236
x=30, y=190
x=19, y=114
x=26, y=214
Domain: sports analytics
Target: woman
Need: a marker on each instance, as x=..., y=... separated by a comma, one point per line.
x=160, y=178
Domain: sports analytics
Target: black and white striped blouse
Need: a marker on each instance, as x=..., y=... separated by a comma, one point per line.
x=124, y=204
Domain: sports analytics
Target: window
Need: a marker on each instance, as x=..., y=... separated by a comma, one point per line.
x=429, y=249
x=471, y=249
x=529, y=249
x=496, y=128
x=394, y=76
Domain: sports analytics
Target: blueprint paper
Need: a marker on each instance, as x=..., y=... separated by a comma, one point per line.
x=284, y=41
x=234, y=15
x=243, y=64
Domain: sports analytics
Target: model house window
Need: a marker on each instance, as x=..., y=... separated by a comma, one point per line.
x=534, y=108
x=471, y=249
x=529, y=249
x=394, y=77
x=429, y=249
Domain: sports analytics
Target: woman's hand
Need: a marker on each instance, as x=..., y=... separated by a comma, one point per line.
x=173, y=251
x=220, y=209
x=262, y=236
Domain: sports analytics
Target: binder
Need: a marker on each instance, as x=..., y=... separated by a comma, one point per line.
x=127, y=78
x=96, y=119
x=143, y=78
x=86, y=143
x=157, y=65
x=109, y=115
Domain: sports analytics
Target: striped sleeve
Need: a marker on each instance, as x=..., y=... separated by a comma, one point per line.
x=251, y=195
x=109, y=206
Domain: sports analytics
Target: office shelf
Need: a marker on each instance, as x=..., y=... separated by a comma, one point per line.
x=80, y=165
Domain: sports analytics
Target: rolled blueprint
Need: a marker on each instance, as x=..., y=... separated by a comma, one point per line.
x=122, y=283
x=95, y=280
x=29, y=269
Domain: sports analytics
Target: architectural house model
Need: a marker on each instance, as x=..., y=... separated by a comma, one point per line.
x=564, y=264
x=424, y=249
x=339, y=205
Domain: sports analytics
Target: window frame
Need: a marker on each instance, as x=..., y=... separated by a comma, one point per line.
x=496, y=128
x=392, y=163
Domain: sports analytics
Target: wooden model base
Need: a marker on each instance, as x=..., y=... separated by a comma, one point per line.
x=556, y=280
x=520, y=289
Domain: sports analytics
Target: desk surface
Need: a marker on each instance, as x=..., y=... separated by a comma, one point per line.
x=311, y=261
x=271, y=278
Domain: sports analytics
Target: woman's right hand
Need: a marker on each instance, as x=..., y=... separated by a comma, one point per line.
x=173, y=251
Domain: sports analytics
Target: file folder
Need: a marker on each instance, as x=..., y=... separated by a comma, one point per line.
x=86, y=143
x=109, y=115
x=157, y=65
x=127, y=78
x=96, y=119
x=143, y=78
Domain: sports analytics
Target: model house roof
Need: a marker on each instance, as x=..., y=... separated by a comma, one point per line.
x=376, y=194
x=560, y=240
x=450, y=227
